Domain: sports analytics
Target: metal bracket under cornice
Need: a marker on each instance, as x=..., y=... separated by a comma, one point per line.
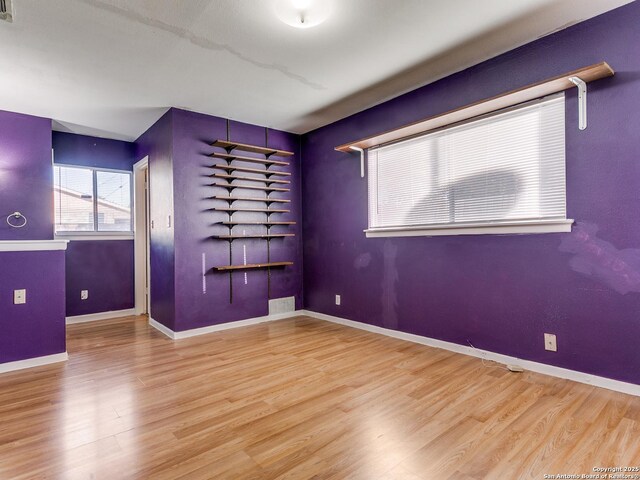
x=358, y=149
x=582, y=101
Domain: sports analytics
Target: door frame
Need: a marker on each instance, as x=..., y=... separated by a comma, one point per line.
x=142, y=265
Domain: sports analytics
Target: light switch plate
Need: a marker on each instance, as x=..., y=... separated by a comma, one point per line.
x=19, y=297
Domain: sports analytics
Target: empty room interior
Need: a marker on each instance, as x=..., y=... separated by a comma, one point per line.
x=319, y=239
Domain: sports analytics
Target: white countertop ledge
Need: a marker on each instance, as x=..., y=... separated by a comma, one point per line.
x=32, y=245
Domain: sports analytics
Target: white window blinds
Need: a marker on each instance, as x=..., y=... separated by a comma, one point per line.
x=502, y=169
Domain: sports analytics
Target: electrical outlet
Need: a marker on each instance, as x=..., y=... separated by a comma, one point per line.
x=550, y=342
x=338, y=300
x=19, y=297
x=84, y=294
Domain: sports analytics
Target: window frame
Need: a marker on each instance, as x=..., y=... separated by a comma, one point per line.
x=97, y=234
x=499, y=227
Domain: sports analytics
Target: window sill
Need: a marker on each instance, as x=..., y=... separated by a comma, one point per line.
x=551, y=226
x=94, y=236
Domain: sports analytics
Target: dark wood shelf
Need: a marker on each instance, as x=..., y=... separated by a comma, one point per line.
x=253, y=266
x=262, y=210
x=256, y=223
x=266, y=236
x=249, y=179
x=252, y=199
x=263, y=161
x=250, y=187
x=227, y=145
x=232, y=168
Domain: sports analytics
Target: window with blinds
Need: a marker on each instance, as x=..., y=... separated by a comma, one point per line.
x=89, y=200
x=501, y=171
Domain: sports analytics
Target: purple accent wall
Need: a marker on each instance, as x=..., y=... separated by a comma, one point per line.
x=501, y=293
x=104, y=267
x=36, y=328
x=157, y=143
x=26, y=176
x=195, y=224
x=180, y=186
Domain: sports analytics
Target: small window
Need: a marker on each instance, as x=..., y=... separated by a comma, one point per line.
x=92, y=201
x=504, y=173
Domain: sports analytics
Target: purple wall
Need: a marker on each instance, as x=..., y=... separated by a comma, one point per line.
x=26, y=175
x=499, y=292
x=178, y=145
x=157, y=143
x=36, y=328
x=195, y=225
x=104, y=267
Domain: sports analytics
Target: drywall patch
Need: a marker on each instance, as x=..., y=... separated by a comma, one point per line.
x=601, y=260
x=362, y=261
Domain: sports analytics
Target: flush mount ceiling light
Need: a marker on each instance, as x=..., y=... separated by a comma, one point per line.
x=303, y=13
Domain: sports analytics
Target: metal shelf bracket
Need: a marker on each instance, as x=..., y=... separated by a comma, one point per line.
x=358, y=149
x=582, y=101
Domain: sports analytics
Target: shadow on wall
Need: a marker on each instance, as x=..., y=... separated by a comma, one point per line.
x=496, y=190
x=601, y=260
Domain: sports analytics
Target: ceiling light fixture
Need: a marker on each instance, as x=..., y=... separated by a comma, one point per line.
x=303, y=13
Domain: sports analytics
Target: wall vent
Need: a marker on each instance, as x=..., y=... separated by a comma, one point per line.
x=6, y=10
x=282, y=305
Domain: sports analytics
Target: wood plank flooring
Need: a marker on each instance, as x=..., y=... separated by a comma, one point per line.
x=298, y=399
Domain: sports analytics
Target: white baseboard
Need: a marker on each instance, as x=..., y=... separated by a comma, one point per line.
x=222, y=326
x=616, y=385
x=33, y=362
x=94, y=317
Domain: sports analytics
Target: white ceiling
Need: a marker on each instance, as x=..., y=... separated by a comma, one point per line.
x=111, y=67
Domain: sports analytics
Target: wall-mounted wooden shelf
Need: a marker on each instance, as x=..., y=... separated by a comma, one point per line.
x=262, y=161
x=227, y=145
x=252, y=266
x=231, y=168
x=265, y=236
x=261, y=210
x=250, y=187
x=252, y=199
x=256, y=223
x=505, y=100
x=249, y=179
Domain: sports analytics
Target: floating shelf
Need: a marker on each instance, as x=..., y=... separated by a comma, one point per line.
x=256, y=223
x=262, y=161
x=252, y=199
x=253, y=266
x=250, y=187
x=263, y=210
x=249, y=179
x=514, y=97
x=227, y=145
x=264, y=236
x=231, y=168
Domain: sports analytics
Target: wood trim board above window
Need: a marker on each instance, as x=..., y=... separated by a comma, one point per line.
x=489, y=105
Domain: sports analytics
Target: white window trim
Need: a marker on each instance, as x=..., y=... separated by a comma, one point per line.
x=98, y=235
x=539, y=226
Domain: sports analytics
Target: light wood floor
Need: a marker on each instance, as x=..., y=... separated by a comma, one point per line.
x=298, y=399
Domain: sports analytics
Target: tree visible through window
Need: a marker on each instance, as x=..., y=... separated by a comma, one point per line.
x=504, y=169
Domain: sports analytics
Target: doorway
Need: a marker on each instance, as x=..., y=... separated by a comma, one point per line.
x=141, y=237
